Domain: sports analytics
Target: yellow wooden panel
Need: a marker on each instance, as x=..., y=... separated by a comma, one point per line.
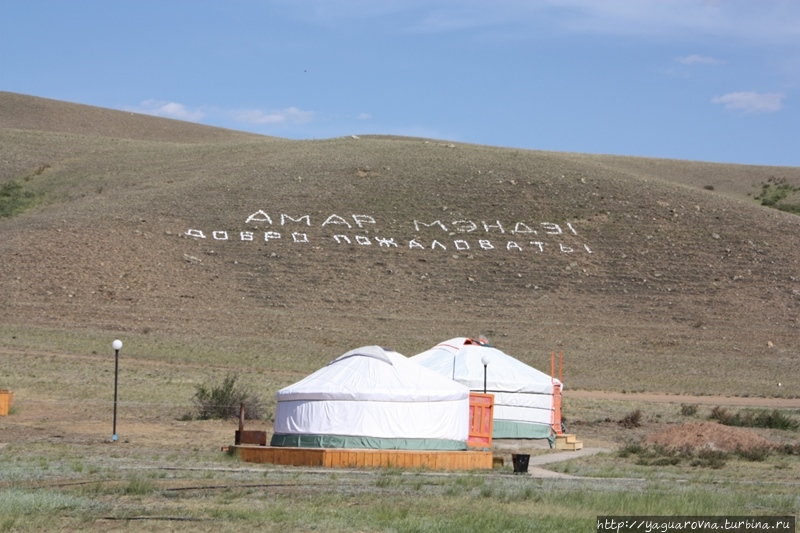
x=434, y=460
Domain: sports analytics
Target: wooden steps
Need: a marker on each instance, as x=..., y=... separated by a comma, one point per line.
x=568, y=441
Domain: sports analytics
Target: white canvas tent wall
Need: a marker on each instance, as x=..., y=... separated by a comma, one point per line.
x=373, y=398
x=523, y=396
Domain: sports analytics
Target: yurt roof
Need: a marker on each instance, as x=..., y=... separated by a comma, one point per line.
x=462, y=358
x=375, y=374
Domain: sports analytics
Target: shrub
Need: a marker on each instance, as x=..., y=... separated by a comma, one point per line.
x=688, y=409
x=632, y=419
x=632, y=448
x=754, y=453
x=789, y=449
x=719, y=414
x=710, y=459
x=774, y=420
x=759, y=419
x=223, y=400
x=657, y=455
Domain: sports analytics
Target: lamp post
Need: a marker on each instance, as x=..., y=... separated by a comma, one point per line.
x=117, y=345
x=485, y=361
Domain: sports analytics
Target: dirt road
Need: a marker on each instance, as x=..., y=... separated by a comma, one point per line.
x=750, y=401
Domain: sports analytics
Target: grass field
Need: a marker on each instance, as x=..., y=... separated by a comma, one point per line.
x=60, y=472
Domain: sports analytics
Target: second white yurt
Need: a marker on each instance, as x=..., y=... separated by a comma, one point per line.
x=523, y=396
x=373, y=398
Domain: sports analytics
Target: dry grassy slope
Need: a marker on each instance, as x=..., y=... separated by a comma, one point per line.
x=683, y=290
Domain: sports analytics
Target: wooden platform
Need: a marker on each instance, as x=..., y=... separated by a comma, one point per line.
x=344, y=458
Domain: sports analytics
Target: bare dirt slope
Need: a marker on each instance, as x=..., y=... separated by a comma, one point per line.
x=642, y=277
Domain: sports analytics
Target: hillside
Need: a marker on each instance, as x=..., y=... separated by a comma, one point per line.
x=648, y=274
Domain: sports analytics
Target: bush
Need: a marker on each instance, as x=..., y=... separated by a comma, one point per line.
x=721, y=415
x=632, y=448
x=688, y=409
x=657, y=455
x=710, y=459
x=754, y=453
x=632, y=419
x=759, y=419
x=223, y=400
x=774, y=420
x=789, y=449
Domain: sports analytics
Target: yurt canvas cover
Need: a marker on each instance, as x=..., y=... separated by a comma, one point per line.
x=373, y=398
x=523, y=396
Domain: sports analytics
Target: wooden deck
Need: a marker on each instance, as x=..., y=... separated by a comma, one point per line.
x=344, y=458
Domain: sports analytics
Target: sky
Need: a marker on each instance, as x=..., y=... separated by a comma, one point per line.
x=701, y=80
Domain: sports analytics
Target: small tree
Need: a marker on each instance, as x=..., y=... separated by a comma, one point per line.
x=223, y=400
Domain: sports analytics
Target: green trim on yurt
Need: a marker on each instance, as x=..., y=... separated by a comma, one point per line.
x=507, y=429
x=375, y=443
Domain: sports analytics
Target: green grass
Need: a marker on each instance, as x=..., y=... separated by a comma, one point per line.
x=777, y=194
x=352, y=502
x=15, y=198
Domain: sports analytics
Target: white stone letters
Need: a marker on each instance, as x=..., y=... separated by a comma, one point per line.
x=363, y=219
x=336, y=219
x=304, y=217
x=388, y=243
x=499, y=226
x=259, y=216
x=417, y=224
x=521, y=227
x=554, y=229
x=544, y=232
x=465, y=226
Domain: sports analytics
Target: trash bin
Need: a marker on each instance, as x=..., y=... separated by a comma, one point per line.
x=520, y=461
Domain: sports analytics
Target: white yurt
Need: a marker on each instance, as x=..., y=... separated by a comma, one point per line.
x=373, y=398
x=523, y=396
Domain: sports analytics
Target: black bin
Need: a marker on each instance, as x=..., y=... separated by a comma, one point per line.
x=520, y=461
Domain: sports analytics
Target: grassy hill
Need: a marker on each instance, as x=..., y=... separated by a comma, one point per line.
x=648, y=274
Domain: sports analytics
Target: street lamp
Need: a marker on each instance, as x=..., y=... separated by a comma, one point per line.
x=485, y=361
x=117, y=345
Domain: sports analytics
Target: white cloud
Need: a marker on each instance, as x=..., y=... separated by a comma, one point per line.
x=773, y=22
x=751, y=102
x=160, y=108
x=258, y=116
x=364, y=116
x=695, y=59
x=757, y=22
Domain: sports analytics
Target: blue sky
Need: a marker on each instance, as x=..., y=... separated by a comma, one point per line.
x=705, y=80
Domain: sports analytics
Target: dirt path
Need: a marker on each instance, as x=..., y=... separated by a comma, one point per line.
x=535, y=463
x=790, y=403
